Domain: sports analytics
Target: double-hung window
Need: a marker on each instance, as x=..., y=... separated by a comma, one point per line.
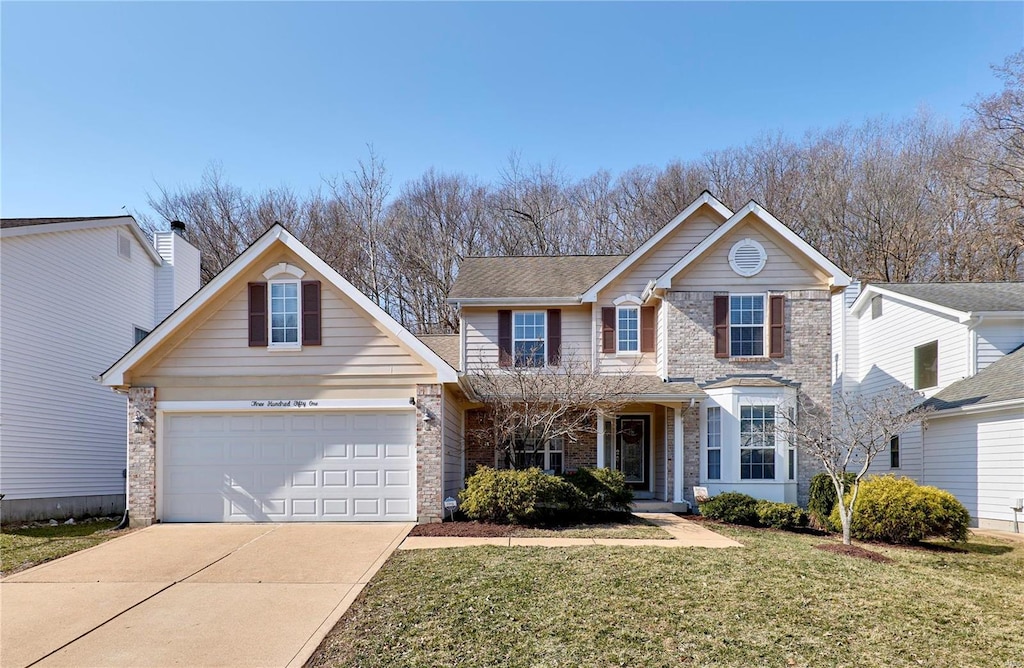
x=894, y=452
x=529, y=341
x=532, y=453
x=757, y=442
x=746, y=325
x=926, y=365
x=284, y=313
x=714, y=443
x=628, y=329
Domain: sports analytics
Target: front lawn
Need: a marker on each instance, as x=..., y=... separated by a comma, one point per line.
x=22, y=548
x=777, y=601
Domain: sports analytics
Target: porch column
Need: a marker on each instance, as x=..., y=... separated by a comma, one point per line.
x=600, y=441
x=677, y=459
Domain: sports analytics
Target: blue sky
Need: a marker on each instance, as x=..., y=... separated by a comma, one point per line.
x=99, y=102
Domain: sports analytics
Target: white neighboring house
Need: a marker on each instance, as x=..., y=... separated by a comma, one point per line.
x=76, y=293
x=958, y=344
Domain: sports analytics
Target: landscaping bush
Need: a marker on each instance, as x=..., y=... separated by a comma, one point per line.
x=517, y=497
x=898, y=510
x=601, y=490
x=780, y=515
x=731, y=507
x=822, y=499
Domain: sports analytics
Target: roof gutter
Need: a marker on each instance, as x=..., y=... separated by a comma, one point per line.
x=976, y=408
x=513, y=301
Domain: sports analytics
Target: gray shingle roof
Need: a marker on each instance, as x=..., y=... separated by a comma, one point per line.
x=445, y=345
x=25, y=222
x=530, y=276
x=964, y=296
x=1002, y=380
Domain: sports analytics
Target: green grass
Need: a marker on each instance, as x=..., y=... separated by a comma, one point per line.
x=635, y=527
x=775, y=602
x=22, y=548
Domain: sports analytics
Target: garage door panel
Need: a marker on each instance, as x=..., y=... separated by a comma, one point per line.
x=281, y=467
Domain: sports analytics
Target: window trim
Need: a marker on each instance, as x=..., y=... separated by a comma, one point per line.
x=894, y=452
x=283, y=345
x=544, y=329
x=765, y=325
x=774, y=446
x=519, y=446
x=629, y=306
x=707, y=442
x=918, y=383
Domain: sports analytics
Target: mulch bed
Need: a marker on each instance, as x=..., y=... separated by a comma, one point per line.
x=464, y=530
x=854, y=551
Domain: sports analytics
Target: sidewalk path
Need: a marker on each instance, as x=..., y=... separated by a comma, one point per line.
x=684, y=533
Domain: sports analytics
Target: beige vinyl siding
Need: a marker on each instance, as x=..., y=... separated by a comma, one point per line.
x=980, y=459
x=660, y=258
x=785, y=269
x=481, y=326
x=70, y=303
x=218, y=346
x=453, y=442
x=633, y=282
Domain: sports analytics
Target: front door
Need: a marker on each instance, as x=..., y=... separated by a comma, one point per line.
x=633, y=448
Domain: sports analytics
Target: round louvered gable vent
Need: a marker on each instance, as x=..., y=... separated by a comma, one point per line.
x=747, y=257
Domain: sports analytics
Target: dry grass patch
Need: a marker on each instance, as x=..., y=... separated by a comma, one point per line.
x=24, y=548
x=777, y=602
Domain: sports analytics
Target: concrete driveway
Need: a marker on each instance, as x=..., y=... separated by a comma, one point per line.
x=192, y=595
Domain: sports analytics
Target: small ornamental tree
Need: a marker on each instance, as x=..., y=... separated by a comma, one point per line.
x=538, y=404
x=849, y=437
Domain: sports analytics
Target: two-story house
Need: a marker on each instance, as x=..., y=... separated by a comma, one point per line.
x=279, y=392
x=959, y=345
x=77, y=292
x=723, y=319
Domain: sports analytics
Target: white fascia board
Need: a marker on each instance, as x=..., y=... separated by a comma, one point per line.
x=76, y=225
x=976, y=408
x=515, y=301
x=114, y=376
x=705, y=198
x=864, y=298
x=839, y=277
x=275, y=405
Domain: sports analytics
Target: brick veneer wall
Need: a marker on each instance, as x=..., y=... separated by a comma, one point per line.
x=807, y=361
x=429, y=479
x=142, y=457
x=480, y=447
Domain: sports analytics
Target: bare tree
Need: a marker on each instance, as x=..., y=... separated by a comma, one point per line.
x=546, y=403
x=849, y=437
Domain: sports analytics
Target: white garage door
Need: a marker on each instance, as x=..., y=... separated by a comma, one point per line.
x=281, y=467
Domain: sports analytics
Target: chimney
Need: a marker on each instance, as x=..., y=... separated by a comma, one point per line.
x=178, y=228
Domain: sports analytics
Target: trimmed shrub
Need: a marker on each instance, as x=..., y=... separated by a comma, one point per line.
x=517, y=497
x=780, y=515
x=898, y=510
x=731, y=507
x=822, y=499
x=601, y=490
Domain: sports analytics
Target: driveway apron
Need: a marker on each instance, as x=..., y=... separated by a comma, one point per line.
x=192, y=595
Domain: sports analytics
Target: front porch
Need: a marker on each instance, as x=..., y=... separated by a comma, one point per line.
x=655, y=445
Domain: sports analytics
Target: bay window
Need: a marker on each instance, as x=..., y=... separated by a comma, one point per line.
x=757, y=442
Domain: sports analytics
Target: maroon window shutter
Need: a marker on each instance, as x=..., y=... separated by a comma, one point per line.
x=504, y=338
x=311, y=313
x=258, y=314
x=608, y=329
x=647, y=329
x=554, y=336
x=777, y=323
x=722, y=326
